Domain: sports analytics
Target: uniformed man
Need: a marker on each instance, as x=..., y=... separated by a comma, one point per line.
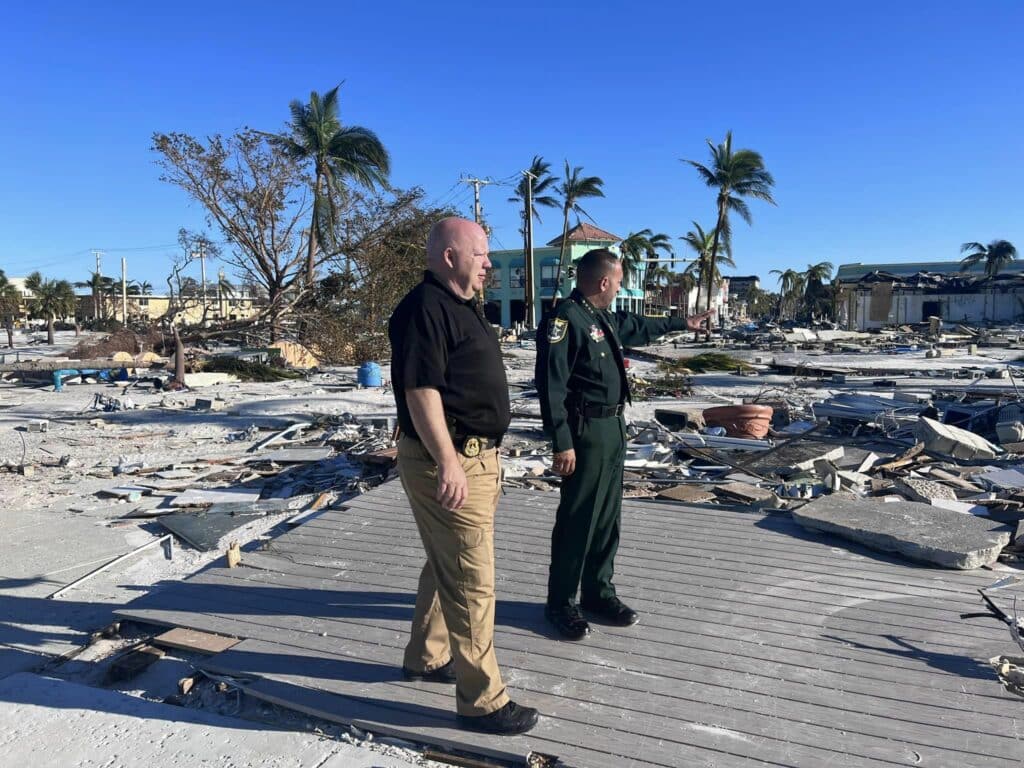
x=453, y=409
x=581, y=378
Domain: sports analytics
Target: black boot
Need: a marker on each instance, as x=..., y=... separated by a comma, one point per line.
x=444, y=674
x=568, y=620
x=508, y=720
x=613, y=611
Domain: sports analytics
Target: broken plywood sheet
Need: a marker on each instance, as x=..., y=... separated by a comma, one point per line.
x=128, y=492
x=796, y=455
x=203, y=530
x=193, y=640
x=201, y=497
x=690, y=494
x=748, y=494
x=296, y=455
x=917, y=531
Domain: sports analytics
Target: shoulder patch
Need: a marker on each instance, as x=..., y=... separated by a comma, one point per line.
x=557, y=329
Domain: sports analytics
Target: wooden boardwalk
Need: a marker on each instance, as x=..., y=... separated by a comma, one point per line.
x=760, y=644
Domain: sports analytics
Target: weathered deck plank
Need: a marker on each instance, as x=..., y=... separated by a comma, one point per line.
x=760, y=644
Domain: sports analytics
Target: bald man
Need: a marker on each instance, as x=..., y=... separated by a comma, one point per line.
x=453, y=409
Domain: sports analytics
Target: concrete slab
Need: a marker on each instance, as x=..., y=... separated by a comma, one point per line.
x=52, y=722
x=917, y=531
x=953, y=441
x=925, y=491
x=1003, y=479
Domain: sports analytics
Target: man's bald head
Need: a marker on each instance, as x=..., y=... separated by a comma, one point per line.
x=457, y=255
x=450, y=232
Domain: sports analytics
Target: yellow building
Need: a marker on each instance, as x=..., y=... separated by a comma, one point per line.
x=242, y=305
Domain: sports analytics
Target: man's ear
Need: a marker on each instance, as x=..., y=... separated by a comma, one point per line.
x=449, y=257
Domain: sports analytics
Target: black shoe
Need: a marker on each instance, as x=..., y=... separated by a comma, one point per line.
x=508, y=720
x=568, y=621
x=614, y=611
x=445, y=674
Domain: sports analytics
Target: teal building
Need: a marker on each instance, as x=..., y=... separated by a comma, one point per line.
x=505, y=291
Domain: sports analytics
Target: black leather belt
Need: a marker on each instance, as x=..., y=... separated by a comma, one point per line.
x=474, y=445
x=601, y=411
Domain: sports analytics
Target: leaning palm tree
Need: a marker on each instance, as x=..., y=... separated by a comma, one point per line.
x=574, y=187
x=996, y=255
x=10, y=306
x=50, y=299
x=736, y=175
x=337, y=152
x=638, y=249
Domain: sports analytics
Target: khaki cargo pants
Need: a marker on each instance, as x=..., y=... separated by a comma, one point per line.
x=454, y=617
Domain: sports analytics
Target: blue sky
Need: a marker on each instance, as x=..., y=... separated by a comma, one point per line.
x=894, y=130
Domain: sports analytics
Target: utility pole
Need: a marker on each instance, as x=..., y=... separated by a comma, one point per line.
x=477, y=210
x=124, y=291
x=220, y=294
x=478, y=217
x=528, y=261
x=96, y=287
x=202, y=262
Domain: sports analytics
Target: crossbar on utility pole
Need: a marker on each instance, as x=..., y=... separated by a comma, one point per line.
x=477, y=210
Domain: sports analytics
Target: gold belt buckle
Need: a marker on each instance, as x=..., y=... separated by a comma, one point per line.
x=471, y=447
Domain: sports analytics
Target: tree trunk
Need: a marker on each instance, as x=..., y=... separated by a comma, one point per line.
x=722, y=199
x=179, y=358
x=311, y=252
x=561, y=257
x=9, y=327
x=49, y=331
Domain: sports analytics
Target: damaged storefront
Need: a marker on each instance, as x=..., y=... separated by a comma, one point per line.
x=880, y=299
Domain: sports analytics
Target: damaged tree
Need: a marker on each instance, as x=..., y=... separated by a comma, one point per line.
x=383, y=255
x=258, y=197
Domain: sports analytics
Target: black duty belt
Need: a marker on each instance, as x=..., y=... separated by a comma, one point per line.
x=601, y=411
x=474, y=445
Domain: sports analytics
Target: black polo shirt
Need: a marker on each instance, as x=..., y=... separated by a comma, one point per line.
x=442, y=341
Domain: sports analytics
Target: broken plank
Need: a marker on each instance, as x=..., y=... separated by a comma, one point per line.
x=193, y=640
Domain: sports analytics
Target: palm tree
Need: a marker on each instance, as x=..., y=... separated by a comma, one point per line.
x=996, y=255
x=816, y=297
x=337, y=152
x=700, y=242
x=574, y=187
x=136, y=288
x=50, y=299
x=10, y=306
x=791, y=289
x=640, y=247
x=735, y=175
x=96, y=284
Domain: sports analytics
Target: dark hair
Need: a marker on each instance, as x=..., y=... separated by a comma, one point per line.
x=594, y=265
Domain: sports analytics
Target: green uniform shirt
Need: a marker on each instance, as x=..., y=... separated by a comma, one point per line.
x=579, y=359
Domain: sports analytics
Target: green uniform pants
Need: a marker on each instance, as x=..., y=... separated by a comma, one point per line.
x=586, y=534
